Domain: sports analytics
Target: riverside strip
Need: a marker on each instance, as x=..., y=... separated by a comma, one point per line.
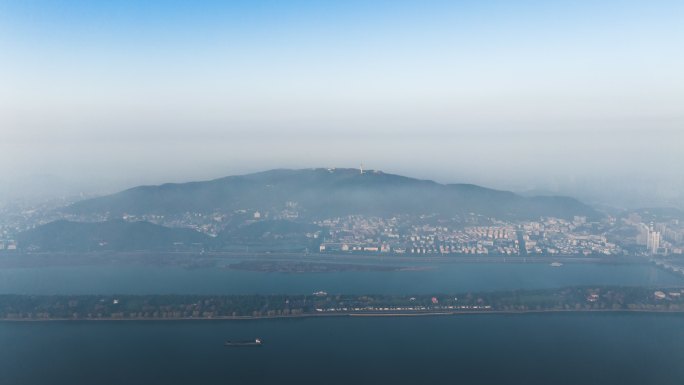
x=143, y=307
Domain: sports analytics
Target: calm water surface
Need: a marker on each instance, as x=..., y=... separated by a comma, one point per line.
x=445, y=277
x=580, y=348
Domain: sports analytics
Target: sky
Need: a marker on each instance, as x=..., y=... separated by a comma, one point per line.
x=578, y=97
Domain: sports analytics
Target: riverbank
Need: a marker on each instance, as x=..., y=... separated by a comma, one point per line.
x=214, y=259
x=424, y=314
x=321, y=303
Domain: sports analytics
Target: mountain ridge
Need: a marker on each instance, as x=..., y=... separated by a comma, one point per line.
x=323, y=192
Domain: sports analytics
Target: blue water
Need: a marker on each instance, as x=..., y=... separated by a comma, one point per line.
x=444, y=277
x=578, y=348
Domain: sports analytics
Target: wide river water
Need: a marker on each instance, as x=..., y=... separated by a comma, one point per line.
x=438, y=278
x=569, y=348
x=576, y=348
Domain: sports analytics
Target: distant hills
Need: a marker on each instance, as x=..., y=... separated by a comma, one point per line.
x=115, y=235
x=119, y=235
x=305, y=195
x=270, y=235
x=323, y=193
x=651, y=214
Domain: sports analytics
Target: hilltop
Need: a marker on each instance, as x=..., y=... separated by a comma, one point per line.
x=322, y=193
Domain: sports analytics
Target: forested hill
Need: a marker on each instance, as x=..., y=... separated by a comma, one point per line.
x=115, y=235
x=322, y=193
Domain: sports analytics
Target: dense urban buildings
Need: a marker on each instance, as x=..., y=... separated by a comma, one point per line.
x=625, y=234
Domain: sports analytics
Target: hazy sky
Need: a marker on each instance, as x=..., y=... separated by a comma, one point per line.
x=510, y=94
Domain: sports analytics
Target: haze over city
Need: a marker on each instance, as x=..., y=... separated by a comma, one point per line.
x=341, y=192
x=579, y=98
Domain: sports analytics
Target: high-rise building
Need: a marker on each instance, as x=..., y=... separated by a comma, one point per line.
x=642, y=235
x=653, y=241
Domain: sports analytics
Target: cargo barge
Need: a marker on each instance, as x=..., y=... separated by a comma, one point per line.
x=248, y=343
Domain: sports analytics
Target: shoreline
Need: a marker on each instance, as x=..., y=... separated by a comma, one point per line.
x=171, y=258
x=341, y=314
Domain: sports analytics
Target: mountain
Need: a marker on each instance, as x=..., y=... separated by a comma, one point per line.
x=115, y=235
x=119, y=235
x=277, y=235
x=324, y=193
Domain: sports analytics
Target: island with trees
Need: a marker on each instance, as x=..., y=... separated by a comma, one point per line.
x=321, y=303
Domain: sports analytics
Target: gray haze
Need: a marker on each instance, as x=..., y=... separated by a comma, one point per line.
x=623, y=168
x=583, y=98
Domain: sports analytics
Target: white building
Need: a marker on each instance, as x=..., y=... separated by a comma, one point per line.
x=653, y=241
